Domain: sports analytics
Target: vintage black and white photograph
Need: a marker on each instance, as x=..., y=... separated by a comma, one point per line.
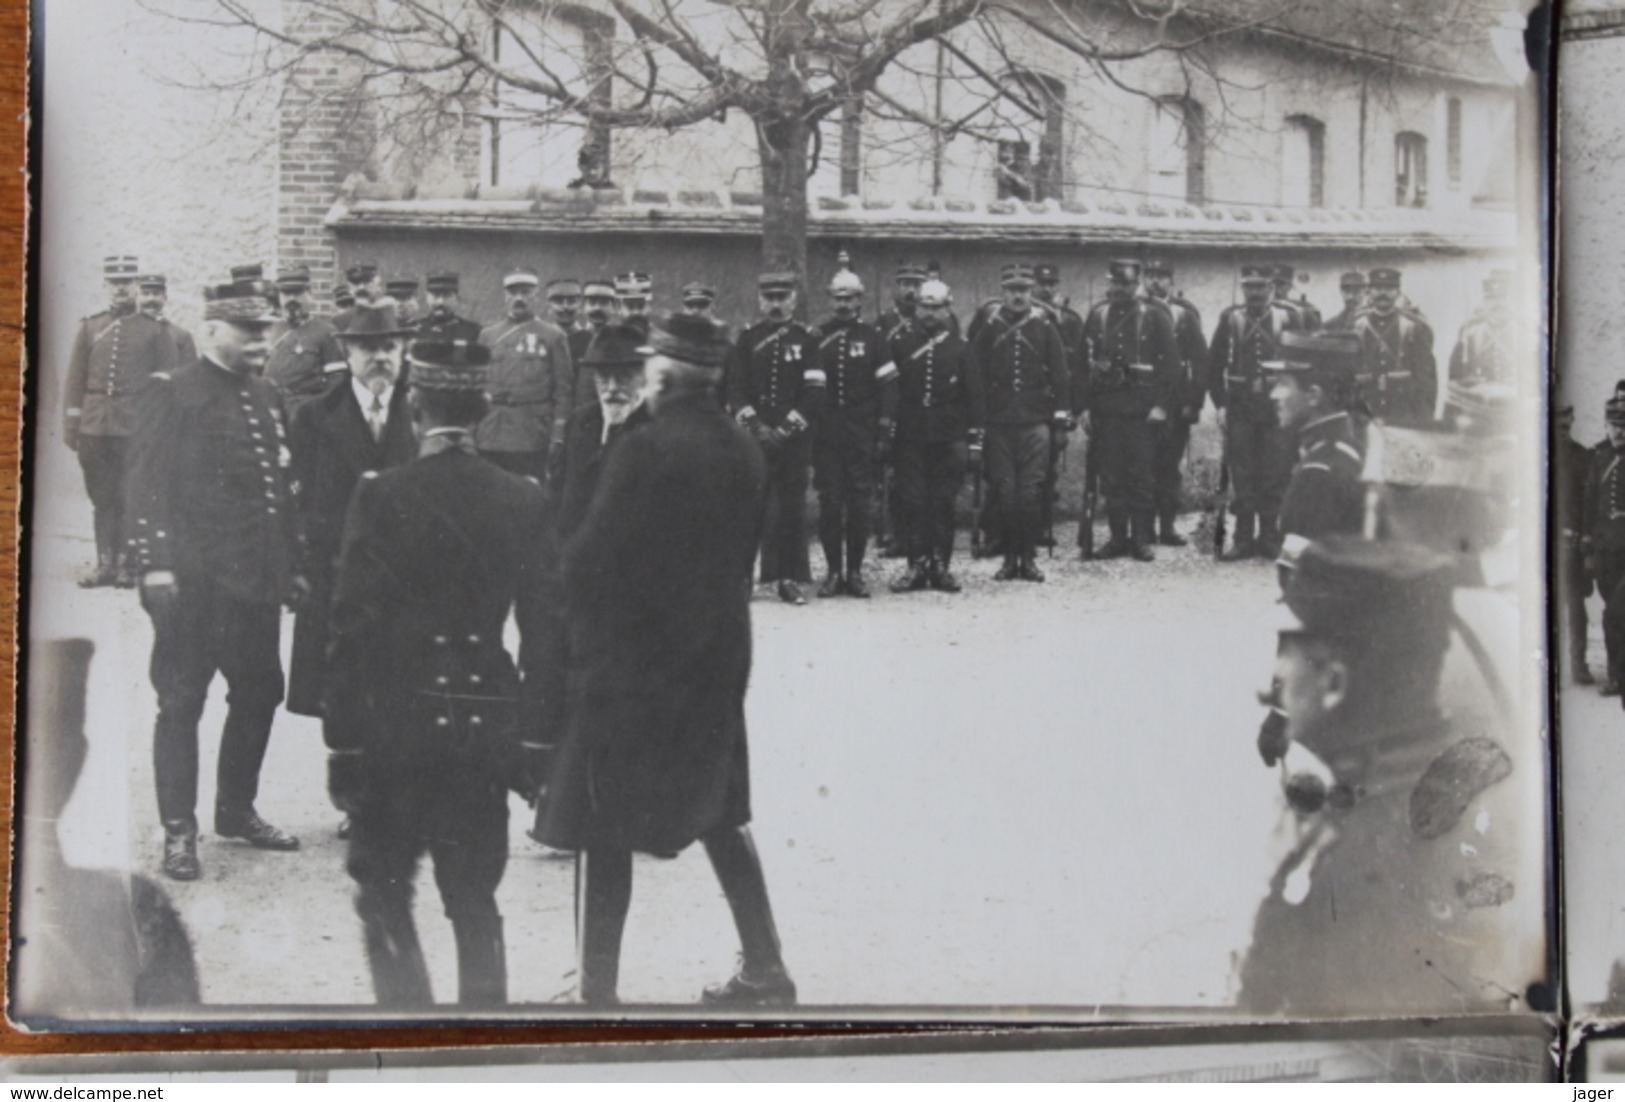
x=786, y=509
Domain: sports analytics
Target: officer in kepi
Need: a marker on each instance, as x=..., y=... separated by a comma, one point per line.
x=152, y=299
x=114, y=354
x=429, y=721
x=305, y=355
x=217, y=546
x=442, y=322
x=1398, y=885
x=632, y=291
x=1352, y=286
x=1313, y=381
x=1602, y=541
x=1398, y=376
x=532, y=385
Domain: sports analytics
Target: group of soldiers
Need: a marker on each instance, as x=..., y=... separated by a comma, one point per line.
x=634, y=474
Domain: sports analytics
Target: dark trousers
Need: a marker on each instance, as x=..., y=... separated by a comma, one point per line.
x=844, y=476
x=1611, y=584
x=207, y=630
x=784, y=527
x=1017, y=456
x=1576, y=587
x=461, y=822
x=929, y=475
x=528, y=464
x=1125, y=456
x=1171, y=438
x=102, y=459
x=1260, y=461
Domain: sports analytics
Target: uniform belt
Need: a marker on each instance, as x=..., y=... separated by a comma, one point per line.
x=516, y=400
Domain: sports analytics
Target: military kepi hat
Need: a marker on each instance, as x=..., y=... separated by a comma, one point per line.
x=1157, y=266
x=442, y=283
x=401, y=288
x=120, y=267
x=449, y=365
x=1385, y=278
x=242, y=301
x=614, y=347
x=374, y=321
x=776, y=281
x=691, y=339
x=1255, y=273
x=698, y=291
x=911, y=269
x=296, y=278
x=1369, y=591
x=152, y=280
x=1124, y=270
x=1614, y=408
x=564, y=288
x=343, y=297
x=633, y=285
x=358, y=274
x=1352, y=281
x=521, y=277
x=1317, y=356
x=1047, y=274
x=1016, y=275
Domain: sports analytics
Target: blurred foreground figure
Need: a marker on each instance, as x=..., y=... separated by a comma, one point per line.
x=89, y=943
x=658, y=589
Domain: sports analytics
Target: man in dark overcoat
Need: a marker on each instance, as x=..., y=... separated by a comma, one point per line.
x=219, y=553
x=613, y=364
x=430, y=722
x=1173, y=436
x=657, y=598
x=360, y=424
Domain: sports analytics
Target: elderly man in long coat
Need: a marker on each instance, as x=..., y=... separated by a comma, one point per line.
x=657, y=606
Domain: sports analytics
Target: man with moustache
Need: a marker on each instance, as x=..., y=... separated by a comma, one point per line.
x=632, y=291
x=403, y=293
x=852, y=432
x=1023, y=365
x=442, y=322
x=599, y=307
x=114, y=353
x=1254, y=448
x=700, y=299
x=1352, y=285
x=532, y=379
x=775, y=388
x=152, y=299
x=1190, y=386
x=359, y=425
x=1398, y=375
x=564, y=306
x=941, y=406
x=1127, y=394
x=214, y=532
x=305, y=355
x=1313, y=378
x=614, y=363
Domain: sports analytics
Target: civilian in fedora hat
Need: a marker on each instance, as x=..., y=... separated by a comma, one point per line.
x=305, y=350
x=430, y=721
x=359, y=424
x=532, y=379
x=657, y=600
x=614, y=366
x=211, y=503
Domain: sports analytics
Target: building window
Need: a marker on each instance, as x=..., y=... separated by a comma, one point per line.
x=1179, y=150
x=1452, y=154
x=1303, y=162
x=1410, y=170
x=578, y=44
x=1032, y=109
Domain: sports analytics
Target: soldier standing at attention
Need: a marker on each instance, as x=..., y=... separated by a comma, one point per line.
x=404, y=293
x=774, y=387
x=654, y=755
x=214, y=530
x=1024, y=368
x=1304, y=312
x=114, y=354
x=430, y=722
x=442, y=322
x=1398, y=375
x=1173, y=435
x=564, y=306
x=1312, y=380
x=1127, y=395
x=1254, y=448
x=1069, y=324
x=1603, y=535
x=699, y=298
x=1352, y=286
x=941, y=404
x=851, y=434
x=305, y=355
x=632, y=291
x=1483, y=352
x=600, y=307
x=532, y=381
x=152, y=299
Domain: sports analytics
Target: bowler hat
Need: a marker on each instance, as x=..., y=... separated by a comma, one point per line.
x=374, y=321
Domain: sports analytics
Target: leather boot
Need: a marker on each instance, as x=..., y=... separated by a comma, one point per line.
x=942, y=579
x=1120, y=544
x=829, y=536
x=180, y=851
x=762, y=979
x=1243, y=545
x=603, y=896
x=482, y=961
x=1168, y=536
x=399, y=975
x=1269, y=537
x=1143, y=531
x=856, y=545
x=915, y=579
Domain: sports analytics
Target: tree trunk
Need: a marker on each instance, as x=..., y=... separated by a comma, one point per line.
x=784, y=145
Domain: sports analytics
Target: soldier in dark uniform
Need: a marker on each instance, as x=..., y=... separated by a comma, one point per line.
x=442, y=322
x=1484, y=350
x=1313, y=379
x=305, y=355
x=152, y=299
x=614, y=365
x=658, y=606
x=1603, y=535
x=941, y=405
x=852, y=432
x=404, y=294
x=343, y=301
x=904, y=310
x=1352, y=285
x=774, y=387
x=564, y=305
x=1254, y=448
x=599, y=308
x=360, y=424
x=1398, y=377
x=114, y=353
x=1069, y=324
x=632, y=291
x=1028, y=413
x=1281, y=280
x=1127, y=393
x=532, y=379
x=699, y=298
x=1173, y=435
x=217, y=542
x=1572, y=460
x=1395, y=894
x=364, y=290
x=430, y=721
